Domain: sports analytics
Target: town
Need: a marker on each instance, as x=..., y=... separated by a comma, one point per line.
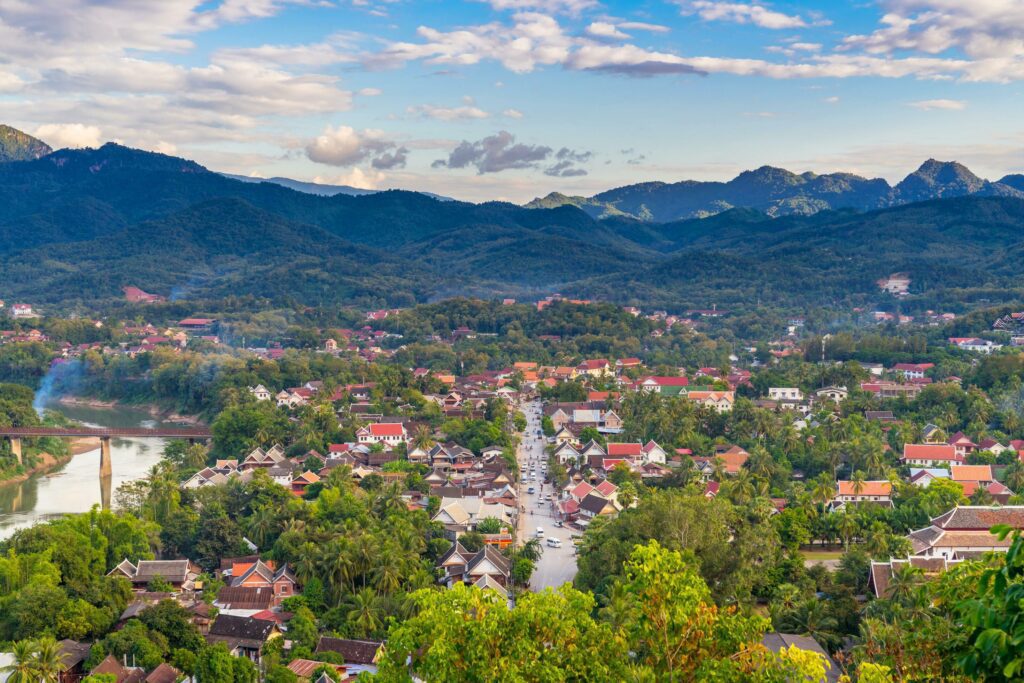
x=813, y=481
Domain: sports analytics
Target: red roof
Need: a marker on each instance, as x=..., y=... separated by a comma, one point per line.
x=668, y=381
x=387, y=429
x=928, y=451
x=625, y=449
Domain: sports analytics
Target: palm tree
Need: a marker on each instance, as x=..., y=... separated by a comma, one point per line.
x=847, y=527
x=902, y=585
x=741, y=489
x=48, y=660
x=388, y=572
x=619, y=610
x=423, y=437
x=857, y=482
x=532, y=550
x=23, y=668
x=364, y=612
x=824, y=490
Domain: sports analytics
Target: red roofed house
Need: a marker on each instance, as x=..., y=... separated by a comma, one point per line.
x=137, y=296
x=595, y=368
x=625, y=450
x=931, y=455
x=962, y=444
x=863, y=492
x=389, y=433
x=913, y=370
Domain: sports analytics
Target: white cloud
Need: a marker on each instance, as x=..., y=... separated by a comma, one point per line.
x=61, y=135
x=548, y=6
x=949, y=105
x=643, y=26
x=743, y=13
x=982, y=29
x=370, y=92
x=604, y=30
x=831, y=100
x=512, y=114
x=369, y=179
x=448, y=113
x=345, y=146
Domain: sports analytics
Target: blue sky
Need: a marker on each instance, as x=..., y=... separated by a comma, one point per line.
x=513, y=99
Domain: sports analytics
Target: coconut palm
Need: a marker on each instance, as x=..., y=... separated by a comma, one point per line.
x=48, y=660
x=904, y=581
x=857, y=482
x=23, y=667
x=363, y=612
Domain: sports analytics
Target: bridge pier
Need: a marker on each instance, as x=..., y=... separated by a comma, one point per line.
x=16, y=447
x=105, y=467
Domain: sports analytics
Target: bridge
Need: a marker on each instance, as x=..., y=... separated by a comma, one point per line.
x=105, y=434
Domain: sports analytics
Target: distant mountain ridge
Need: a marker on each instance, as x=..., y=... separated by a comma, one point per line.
x=778, y=192
x=18, y=146
x=78, y=225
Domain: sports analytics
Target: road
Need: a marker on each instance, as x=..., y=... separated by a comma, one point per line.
x=557, y=565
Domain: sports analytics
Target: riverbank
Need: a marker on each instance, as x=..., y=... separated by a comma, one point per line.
x=155, y=411
x=47, y=463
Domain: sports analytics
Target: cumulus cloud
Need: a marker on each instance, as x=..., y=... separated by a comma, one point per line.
x=512, y=114
x=834, y=99
x=357, y=177
x=948, y=105
x=61, y=135
x=547, y=6
x=391, y=160
x=643, y=26
x=345, y=146
x=501, y=152
x=370, y=92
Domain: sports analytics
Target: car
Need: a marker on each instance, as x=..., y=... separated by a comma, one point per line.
x=540, y=532
x=524, y=480
x=558, y=523
x=547, y=497
x=530, y=490
x=554, y=542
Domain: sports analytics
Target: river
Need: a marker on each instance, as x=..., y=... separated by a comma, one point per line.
x=76, y=486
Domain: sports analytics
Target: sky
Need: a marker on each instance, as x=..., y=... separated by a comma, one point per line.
x=513, y=99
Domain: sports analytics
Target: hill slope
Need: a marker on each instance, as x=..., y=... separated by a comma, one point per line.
x=18, y=146
x=78, y=225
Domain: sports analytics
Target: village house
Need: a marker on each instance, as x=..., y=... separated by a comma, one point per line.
x=359, y=655
x=931, y=455
x=974, y=344
x=181, y=574
x=878, y=492
x=260, y=393
x=243, y=636
x=721, y=401
x=486, y=568
x=963, y=532
x=911, y=370
x=962, y=444
x=22, y=311
x=881, y=573
x=389, y=433
x=832, y=393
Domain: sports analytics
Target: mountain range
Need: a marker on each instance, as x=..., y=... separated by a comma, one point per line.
x=76, y=226
x=778, y=192
x=18, y=146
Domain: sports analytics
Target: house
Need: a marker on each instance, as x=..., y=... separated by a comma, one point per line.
x=924, y=476
x=181, y=574
x=833, y=393
x=962, y=444
x=304, y=480
x=260, y=574
x=897, y=284
x=885, y=390
x=303, y=669
x=974, y=344
x=879, y=492
x=881, y=573
x=963, y=532
x=164, y=673
x=487, y=568
x=244, y=636
x=73, y=655
x=260, y=393
x=22, y=311
x=653, y=453
x=134, y=295
x=666, y=386
x=912, y=370
x=598, y=367
x=359, y=655
x=879, y=416
x=263, y=459
x=121, y=673
x=242, y=601
x=628, y=451
x=721, y=401
x=992, y=446
x=931, y=455
x=790, y=394
x=390, y=433
x=595, y=505
x=197, y=323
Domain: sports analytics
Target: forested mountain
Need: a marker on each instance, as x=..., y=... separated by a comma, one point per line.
x=18, y=146
x=778, y=192
x=78, y=225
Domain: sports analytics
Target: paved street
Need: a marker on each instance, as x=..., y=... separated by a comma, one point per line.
x=557, y=565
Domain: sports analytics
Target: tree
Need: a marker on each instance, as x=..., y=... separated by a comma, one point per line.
x=489, y=525
x=469, y=634
x=23, y=668
x=215, y=665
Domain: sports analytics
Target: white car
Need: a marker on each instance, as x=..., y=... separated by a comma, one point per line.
x=554, y=542
x=540, y=532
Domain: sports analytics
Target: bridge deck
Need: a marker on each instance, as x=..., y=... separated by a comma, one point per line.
x=137, y=432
